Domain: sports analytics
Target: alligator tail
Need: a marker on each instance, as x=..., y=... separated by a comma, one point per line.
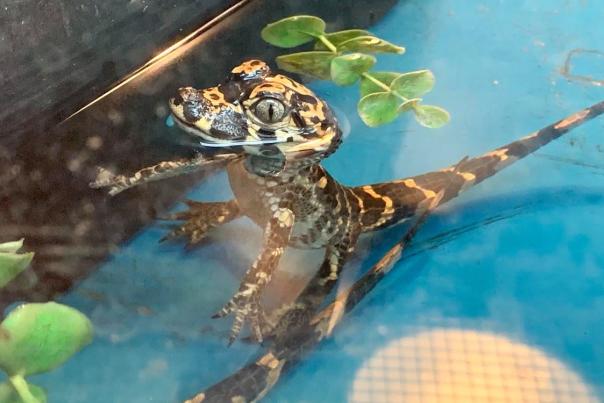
x=387, y=203
x=249, y=384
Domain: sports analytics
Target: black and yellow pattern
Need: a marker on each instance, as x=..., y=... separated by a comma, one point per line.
x=390, y=202
x=281, y=131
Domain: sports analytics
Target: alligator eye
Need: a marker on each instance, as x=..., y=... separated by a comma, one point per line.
x=269, y=110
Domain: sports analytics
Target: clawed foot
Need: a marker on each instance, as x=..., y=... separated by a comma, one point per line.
x=200, y=218
x=291, y=317
x=282, y=321
x=246, y=306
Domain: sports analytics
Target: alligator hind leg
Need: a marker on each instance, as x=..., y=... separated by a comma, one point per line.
x=301, y=311
x=200, y=218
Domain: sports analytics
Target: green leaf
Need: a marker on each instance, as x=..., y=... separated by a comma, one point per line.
x=11, y=247
x=369, y=44
x=413, y=84
x=340, y=36
x=369, y=87
x=42, y=337
x=12, y=263
x=293, y=31
x=347, y=69
x=431, y=116
x=378, y=108
x=316, y=64
x=408, y=105
x=8, y=394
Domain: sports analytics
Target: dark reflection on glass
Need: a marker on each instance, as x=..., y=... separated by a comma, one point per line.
x=48, y=167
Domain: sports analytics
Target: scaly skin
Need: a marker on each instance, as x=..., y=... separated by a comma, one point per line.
x=282, y=131
x=255, y=380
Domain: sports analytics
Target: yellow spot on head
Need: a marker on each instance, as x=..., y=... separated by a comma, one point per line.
x=297, y=87
x=250, y=66
x=269, y=86
x=322, y=182
x=215, y=97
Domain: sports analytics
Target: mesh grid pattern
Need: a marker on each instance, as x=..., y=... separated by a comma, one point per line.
x=453, y=365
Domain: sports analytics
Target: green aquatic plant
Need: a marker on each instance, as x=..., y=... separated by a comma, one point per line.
x=11, y=262
x=346, y=57
x=34, y=338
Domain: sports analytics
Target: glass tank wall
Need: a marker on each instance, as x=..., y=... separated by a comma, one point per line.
x=498, y=296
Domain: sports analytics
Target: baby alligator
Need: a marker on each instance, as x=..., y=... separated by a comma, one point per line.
x=281, y=131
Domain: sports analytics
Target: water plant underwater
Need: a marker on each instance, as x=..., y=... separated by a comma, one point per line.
x=345, y=57
x=34, y=337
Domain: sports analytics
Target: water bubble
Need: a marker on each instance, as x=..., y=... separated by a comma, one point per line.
x=170, y=121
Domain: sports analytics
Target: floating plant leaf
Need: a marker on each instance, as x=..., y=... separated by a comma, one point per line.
x=42, y=337
x=347, y=69
x=344, y=57
x=413, y=84
x=293, y=31
x=340, y=36
x=8, y=394
x=430, y=116
x=12, y=263
x=369, y=44
x=11, y=247
x=408, y=105
x=369, y=87
x=378, y=108
x=316, y=64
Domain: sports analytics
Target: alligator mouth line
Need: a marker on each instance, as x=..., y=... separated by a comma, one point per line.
x=208, y=141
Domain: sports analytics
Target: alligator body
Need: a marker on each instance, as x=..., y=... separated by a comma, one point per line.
x=281, y=131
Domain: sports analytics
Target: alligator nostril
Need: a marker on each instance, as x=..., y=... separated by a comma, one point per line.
x=189, y=94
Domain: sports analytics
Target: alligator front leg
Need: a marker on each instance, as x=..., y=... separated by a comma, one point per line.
x=245, y=304
x=202, y=217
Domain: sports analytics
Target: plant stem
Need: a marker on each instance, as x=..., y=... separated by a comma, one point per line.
x=328, y=44
x=383, y=86
x=22, y=389
x=368, y=76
